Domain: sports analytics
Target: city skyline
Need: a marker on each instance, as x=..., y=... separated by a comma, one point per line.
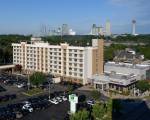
x=26, y=17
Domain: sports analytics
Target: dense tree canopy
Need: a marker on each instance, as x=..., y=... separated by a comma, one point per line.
x=131, y=38
x=78, y=40
x=5, y=46
x=143, y=85
x=37, y=78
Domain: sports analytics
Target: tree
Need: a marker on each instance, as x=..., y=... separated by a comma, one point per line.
x=18, y=68
x=143, y=85
x=95, y=94
x=80, y=115
x=70, y=89
x=37, y=78
x=98, y=112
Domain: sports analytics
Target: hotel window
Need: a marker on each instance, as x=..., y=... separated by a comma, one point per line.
x=75, y=55
x=75, y=60
x=81, y=65
x=81, y=60
x=81, y=55
x=75, y=64
x=75, y=74
x=81, y=75
x=70, y=73
x=70, y=68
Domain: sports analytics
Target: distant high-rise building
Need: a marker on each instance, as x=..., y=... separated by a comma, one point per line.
x=65, y=29
x=71, y=32
x=100, y=30
x=133, y=27
x=94, y=30
x=108, y=28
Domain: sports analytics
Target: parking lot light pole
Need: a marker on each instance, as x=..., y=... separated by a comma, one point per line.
x=49, y=91
x=28, y=82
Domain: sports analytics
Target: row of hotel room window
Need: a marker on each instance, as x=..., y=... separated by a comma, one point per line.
x=72, y=73
x=55, y=58
x=50, y=49
x=32, y=55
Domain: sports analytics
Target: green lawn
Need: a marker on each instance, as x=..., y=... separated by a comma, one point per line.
x=33, y=92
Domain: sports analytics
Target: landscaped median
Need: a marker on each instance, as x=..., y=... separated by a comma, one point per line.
x=34, y=91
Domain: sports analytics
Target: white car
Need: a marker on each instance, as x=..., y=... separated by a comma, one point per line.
x=90, y=102
x=54, y=101
x=64, y=98
x=20, y=85
x=59, y=99
x=27, y=107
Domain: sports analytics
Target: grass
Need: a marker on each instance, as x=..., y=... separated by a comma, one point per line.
x=115, y=92
x=34, y=91
x=147, y=97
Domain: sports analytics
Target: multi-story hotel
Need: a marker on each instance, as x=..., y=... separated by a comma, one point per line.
x=71, y=63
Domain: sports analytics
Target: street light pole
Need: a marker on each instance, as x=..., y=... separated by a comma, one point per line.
x=49, y=91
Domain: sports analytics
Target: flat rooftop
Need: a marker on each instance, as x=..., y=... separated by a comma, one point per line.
x=128, y=65
x=114, y=78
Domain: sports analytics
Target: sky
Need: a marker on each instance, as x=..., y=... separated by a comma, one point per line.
x=27, y=16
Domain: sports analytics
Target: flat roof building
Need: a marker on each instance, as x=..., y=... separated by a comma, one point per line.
x=71, y=63
x=120, y=76
x=114, y=81
x=142, y=71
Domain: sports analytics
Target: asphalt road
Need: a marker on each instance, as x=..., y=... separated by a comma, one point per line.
x=54, y=112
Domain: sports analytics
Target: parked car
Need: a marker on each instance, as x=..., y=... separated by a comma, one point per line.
x=58, y=99
x=63, y=98
x=54, y=101
x=90, y=102
x=27, y=107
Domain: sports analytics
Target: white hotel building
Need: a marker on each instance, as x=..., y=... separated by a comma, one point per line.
x=71, y=63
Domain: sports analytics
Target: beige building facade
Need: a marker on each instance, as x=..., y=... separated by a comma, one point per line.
x=71, y=63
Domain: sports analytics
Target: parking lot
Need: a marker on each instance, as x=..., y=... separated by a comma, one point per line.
x=14, y=104
x=54, y=112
